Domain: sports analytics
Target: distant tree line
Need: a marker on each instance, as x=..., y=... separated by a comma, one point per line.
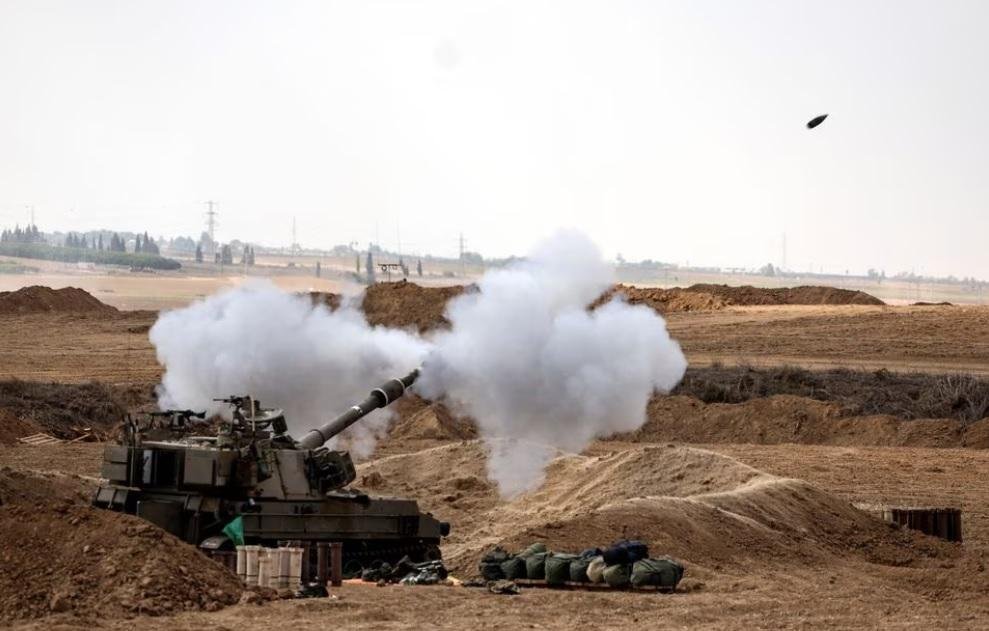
x=30, y=234
x=87, y=255
x=31, y=243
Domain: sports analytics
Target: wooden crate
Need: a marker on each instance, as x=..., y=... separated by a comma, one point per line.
x=39, y=439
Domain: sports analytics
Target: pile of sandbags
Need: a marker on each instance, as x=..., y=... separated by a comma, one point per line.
x=624, y=563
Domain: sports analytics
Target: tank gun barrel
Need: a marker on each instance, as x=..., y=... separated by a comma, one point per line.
x=379, y=398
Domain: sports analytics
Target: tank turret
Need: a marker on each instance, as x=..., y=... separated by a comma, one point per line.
x=192, y=478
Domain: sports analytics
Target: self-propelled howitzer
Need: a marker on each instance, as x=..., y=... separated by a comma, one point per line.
x=169, y=472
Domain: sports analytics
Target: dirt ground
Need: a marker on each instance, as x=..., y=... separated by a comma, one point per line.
x=766, y=527
x=83, y=347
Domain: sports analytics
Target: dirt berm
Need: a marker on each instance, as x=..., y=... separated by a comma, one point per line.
x=403, y=304
x=39, y=299
x=711, y=511
x=803, y=295
x=61, y=557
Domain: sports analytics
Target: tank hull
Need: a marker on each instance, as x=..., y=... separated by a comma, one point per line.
x=370, y=528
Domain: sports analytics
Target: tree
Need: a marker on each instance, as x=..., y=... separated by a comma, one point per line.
x=419, y=267
x=318, y=269
x=369, y=266
x=250, y=260
x=199, y=253
x=228, y=257
x=767, y=270
x=358, y=257
x=99, y=242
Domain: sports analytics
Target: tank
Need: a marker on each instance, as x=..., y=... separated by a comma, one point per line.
x=171, y=472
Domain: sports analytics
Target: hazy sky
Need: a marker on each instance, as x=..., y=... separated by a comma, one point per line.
x=666, y=130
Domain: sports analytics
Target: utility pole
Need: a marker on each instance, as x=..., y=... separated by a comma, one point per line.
x=211, y=226
x=783, y=263
x=295, y=242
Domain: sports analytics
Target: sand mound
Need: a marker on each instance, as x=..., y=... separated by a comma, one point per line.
x=664, y=300
x=62, y=556
x=707, y=509
x=400, y=304
x=792, y=419
x=404, y=304
x=803, y=295
x=38, y=299
x=433, y=422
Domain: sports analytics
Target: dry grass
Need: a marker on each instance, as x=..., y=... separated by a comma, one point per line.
x=904, y=395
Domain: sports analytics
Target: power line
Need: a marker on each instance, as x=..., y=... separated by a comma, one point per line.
x=211, y=224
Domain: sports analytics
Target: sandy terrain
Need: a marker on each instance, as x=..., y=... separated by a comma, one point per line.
x=80, y=347
x=768, y=532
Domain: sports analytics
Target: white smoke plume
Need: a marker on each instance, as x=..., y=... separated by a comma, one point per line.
x=541, y=373
x=278, y=347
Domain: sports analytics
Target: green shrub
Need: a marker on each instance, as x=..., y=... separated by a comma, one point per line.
x=86, y=255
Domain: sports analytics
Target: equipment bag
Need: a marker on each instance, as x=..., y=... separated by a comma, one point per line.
x=595, y=570
x=625, y=552
x=558, y=568
x=535, y=566
x=492, y=571
x=495, y=556
x=617, y=575
x=663, y=572
x=536, y=548
x=578, y=570
x=513, y=568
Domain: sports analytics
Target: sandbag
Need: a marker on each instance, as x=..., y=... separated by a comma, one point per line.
x=625, y=552
x=492, y=571
x=578, y=570
x=558, y=568
x=590, y=553
x=663, y=572
x=536, y=548
x=617, y=575
x=595, y=570
x=535, y=566
x=513, y=568
x=497, y=555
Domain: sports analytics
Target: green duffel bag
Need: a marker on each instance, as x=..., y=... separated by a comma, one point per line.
x=491, y=571
x=513, y=568
x=595, y=570
x=558, y=568
x=495, y=556
x=578, y=569
x=663, y=572
x=536, y=548
x=535, y=566
x=617, y=575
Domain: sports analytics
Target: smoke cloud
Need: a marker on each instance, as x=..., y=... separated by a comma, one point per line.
x=538, y=371
x=524, y=357
x=278, y=347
